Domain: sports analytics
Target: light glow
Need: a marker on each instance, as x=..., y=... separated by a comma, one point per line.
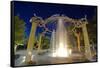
x=60, y=41
x=62, y=52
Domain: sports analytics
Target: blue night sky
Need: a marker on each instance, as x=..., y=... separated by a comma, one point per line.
x=26, y=10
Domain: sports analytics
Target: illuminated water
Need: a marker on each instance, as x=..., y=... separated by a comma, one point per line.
x=59, y=41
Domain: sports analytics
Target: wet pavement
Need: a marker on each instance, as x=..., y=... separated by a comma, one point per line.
x=46, y=58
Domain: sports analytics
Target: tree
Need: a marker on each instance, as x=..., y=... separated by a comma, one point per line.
x=92, y=29
x=45, y=42
x=19, y=31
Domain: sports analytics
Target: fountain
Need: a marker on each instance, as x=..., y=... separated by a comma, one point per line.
x=59, y=41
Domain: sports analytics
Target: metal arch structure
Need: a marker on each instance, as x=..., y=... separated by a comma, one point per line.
x=38, y=21
x=78, y=23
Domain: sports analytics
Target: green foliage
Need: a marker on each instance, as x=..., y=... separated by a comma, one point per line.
x=92, y=30
x=45, y=42
x=19, y=30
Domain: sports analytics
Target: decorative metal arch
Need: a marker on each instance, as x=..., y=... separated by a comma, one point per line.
x=38, y=21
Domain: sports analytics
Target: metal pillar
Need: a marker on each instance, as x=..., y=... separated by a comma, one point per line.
x=78, y=42
x=31, y=42
x=39, y=45
x=86, y=42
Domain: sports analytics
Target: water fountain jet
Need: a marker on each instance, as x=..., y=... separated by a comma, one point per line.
x=59, y=41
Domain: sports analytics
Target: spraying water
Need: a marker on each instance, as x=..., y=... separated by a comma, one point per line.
x=59, y=41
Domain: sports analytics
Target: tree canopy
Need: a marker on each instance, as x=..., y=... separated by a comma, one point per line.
x=19, y=30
